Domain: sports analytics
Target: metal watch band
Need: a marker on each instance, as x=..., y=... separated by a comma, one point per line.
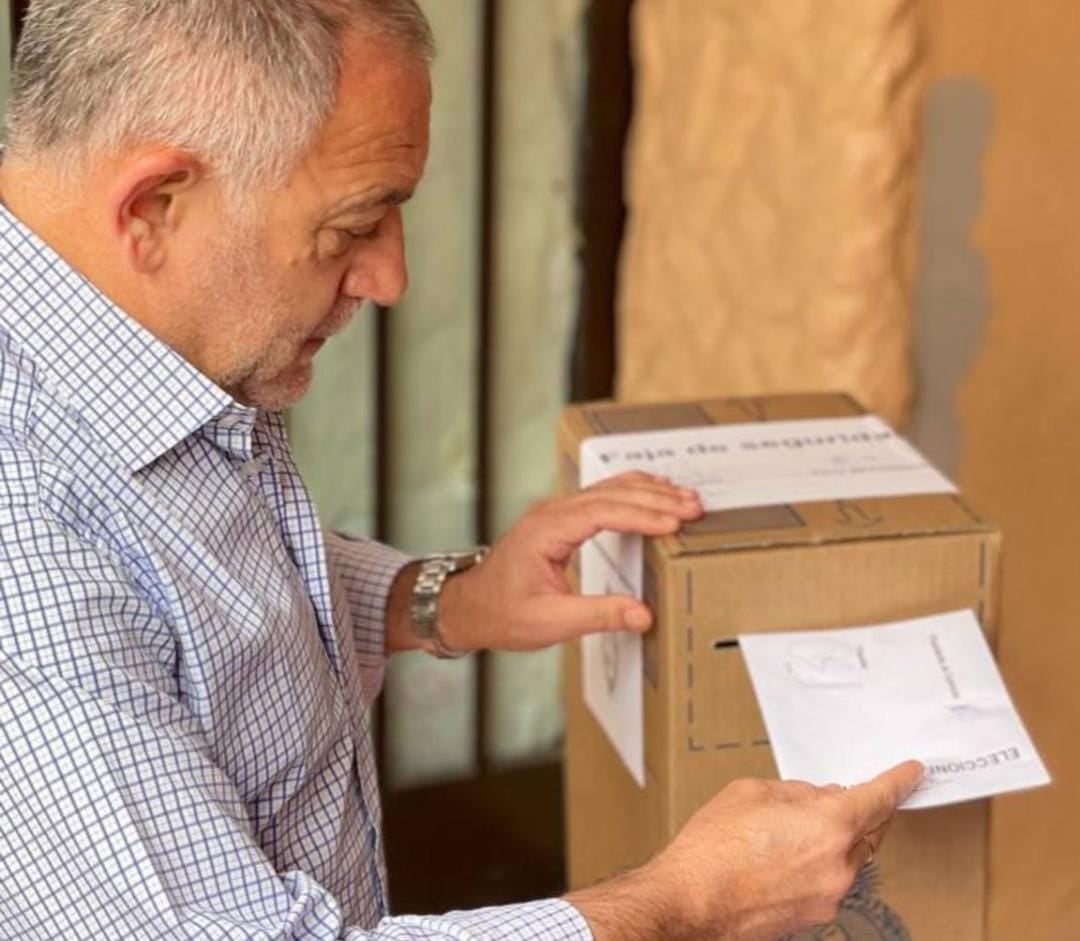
x=434, y=571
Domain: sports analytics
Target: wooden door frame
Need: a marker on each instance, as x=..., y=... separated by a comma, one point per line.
x=609, y=105
x=17, y=12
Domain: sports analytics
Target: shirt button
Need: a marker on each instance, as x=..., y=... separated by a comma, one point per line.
x=254, y=467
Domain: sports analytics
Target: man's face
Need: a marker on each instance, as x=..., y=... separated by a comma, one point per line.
x=275, y=287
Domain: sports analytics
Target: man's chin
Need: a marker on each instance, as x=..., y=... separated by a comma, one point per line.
x=279, y=393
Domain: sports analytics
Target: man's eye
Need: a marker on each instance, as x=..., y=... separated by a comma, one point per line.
x=360, y=234
x=335, y=242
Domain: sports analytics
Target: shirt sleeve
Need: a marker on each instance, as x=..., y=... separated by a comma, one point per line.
x=548, y=920
x=115, y=824
x=365, y=571
x=117, y=820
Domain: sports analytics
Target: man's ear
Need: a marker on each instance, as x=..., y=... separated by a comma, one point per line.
x=149, y=202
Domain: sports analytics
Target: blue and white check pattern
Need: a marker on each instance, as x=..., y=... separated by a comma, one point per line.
x=187, y=662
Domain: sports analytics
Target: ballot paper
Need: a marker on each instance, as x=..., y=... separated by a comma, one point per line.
x=841, y=706
x=732, y=467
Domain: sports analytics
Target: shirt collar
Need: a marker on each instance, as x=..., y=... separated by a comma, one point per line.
x=139, y=394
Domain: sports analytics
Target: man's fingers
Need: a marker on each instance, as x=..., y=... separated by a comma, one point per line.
x=562, y=528
x=667, y=501
x=795, y=792
x=876, y=837
x=568, y=617
x=871, y=805
x=635, y=491
x=867, y=846
x=649, y=509
x=635, y=483
x=634, y=477
x=862, y=853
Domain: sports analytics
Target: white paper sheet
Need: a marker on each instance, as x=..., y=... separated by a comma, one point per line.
x=843, y=705
x=733, y=467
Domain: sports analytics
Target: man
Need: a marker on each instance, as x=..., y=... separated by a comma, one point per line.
x=197, y=195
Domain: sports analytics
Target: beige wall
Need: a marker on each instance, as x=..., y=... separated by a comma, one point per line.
x=1018, y=408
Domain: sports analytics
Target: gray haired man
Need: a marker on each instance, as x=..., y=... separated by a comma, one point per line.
x=196, y=197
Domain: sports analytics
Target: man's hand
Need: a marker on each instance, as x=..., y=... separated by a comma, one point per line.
x=763, y=859
x=519, y=598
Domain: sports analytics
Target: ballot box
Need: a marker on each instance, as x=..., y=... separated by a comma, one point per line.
x=794, y=564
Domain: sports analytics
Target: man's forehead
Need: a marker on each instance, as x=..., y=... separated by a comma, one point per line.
x=386, y=129
x=372, y=149
x=383, y=98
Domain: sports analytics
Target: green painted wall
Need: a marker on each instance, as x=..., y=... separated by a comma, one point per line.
x=5, y=45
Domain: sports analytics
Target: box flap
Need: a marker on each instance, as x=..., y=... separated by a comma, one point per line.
x=765, y=527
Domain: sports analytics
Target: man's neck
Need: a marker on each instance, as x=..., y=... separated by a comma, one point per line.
x=68, y=223
x=42, y=205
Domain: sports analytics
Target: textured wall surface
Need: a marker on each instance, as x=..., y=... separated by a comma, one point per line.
x=952, y=297
x=541, y=77
x=333, y=429
x=5, y=64
x=1018, y=410
x=434, y=361
x=772, y=174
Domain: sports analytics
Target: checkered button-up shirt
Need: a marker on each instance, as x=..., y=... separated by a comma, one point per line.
x=187, y=662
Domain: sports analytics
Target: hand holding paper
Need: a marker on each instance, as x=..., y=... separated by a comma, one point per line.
x=760, y=860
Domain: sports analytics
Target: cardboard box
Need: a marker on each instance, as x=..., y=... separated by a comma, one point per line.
x=798, y=567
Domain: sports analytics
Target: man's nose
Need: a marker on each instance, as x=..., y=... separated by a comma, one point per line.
x=378, y=271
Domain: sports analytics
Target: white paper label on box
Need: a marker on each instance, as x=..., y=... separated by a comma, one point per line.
x=733, y=467
x=841, y=706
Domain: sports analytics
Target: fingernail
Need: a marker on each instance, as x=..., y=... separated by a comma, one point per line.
x=637, y=619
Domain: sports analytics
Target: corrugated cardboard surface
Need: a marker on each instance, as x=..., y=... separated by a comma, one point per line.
x=844, y=564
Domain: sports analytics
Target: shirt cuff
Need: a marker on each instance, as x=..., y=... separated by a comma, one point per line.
x=365, y=571
x=548, y=920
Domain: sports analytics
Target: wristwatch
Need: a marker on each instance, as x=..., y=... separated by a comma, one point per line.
x=434, y=571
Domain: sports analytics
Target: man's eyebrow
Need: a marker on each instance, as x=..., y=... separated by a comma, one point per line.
x=377, y=198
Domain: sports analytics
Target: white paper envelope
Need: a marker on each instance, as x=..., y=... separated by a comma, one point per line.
x=844, y=705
